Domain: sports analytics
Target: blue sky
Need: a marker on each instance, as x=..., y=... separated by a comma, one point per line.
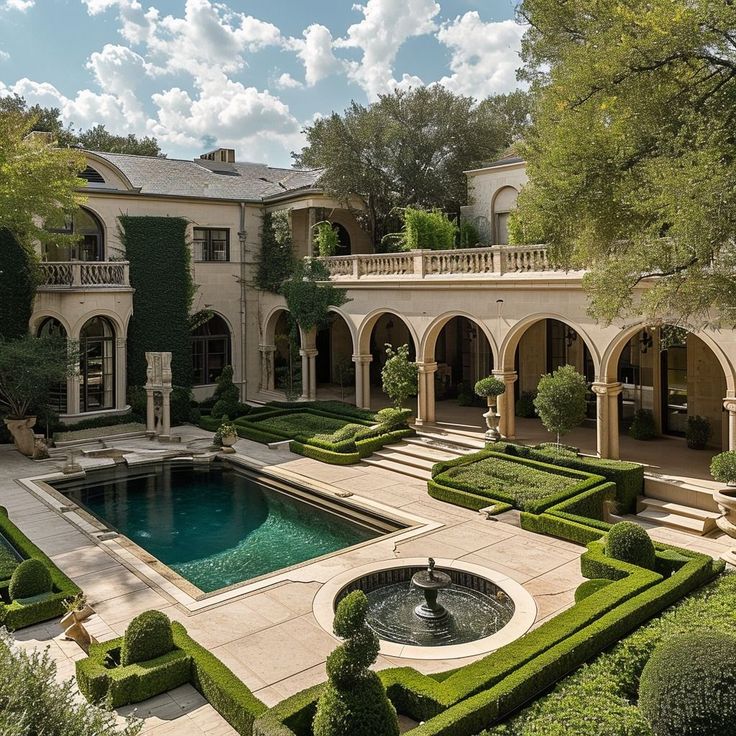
x=248, y=74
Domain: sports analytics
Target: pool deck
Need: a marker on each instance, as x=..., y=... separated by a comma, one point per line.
x=269, y=637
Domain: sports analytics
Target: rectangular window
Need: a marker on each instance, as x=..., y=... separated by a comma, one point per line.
x=211, y=244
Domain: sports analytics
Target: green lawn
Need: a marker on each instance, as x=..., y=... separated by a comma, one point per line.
x=305, y=424
x=495, y=476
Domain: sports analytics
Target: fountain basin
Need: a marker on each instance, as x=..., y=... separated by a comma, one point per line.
x=485, y=609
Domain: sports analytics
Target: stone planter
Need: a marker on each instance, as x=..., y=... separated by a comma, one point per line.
x=229, y=440
x=23, y=435
x=492, y=434
x=726, y=500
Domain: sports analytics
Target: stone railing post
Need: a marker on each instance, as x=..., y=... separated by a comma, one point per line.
x=76, y=274
x=418, y=258
x=356, y=267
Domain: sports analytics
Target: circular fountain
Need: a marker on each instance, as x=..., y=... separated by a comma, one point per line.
x=439, y=610
x=430, y=583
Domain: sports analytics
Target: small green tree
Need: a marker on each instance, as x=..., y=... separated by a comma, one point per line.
x=29, y=368
x=345, y=373
x=276, y=260
x=32, y=701
x=560, y=400
x=354, y=701
x=326, y=238
x=399, y=375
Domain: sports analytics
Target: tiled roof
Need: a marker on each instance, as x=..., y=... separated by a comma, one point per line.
x=209, y=179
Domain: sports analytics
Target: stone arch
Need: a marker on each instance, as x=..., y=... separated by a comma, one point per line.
x=113, y=317
x=350, y=325
x=269, y=326
x=369, y=322
x=429, y=339
x=40, y=317
x=613, y=351
x=512, y=339
x=503, y=203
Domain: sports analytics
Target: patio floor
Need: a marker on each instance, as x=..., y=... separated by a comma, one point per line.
x=246, y=632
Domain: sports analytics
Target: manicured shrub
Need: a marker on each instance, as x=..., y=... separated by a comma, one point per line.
x=643, y=426
x=393, y=418
x=226, y=396
x=489, y=387
x=723, y=467
x=30, y=578
x=354, y=701
x=698, y=432
x=688, y=686
x=399, y=375
x=8, y=562
x=630, y=543
x=589, y=587
x=148, y=636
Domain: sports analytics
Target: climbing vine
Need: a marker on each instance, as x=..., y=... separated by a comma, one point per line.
x=18, y=280
x=276, y=261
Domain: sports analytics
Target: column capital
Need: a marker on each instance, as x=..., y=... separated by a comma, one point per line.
x=729, y=404
x=506, y=376
x=267, y=348
x=611, y=389
x=308, y=352
x=362, y=358
x=427, y=367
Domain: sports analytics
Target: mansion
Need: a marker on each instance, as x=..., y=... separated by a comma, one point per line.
x=464, y=313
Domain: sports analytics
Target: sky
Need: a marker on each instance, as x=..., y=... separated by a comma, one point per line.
x=245, y=74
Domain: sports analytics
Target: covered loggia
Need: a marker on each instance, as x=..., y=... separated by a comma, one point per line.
x=281, y=363
x=335, y=369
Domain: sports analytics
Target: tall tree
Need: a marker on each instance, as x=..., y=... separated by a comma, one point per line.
x=38, y=183
x=97, y=138
x=632, y=156
x=408, y=148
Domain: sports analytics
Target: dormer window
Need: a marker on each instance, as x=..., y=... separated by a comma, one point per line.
x=92, y=176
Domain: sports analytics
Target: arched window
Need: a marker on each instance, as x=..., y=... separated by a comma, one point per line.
x=97, y=365
x=504, y=204
x=51, y=327
x=90, y=245
x=210, y=350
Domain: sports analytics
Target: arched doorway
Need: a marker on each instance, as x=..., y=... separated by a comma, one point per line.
x=52, y=327
x=97, y=365
x=90, y=243
x=334, y=361
x=674, y=375
x=211, y=350
x=287, y=364
x=344, y=247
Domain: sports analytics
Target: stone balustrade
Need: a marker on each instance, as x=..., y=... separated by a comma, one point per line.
x=495, y=260
x=84, y=274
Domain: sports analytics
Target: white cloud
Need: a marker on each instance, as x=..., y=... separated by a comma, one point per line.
x=286, y=81
x=386, y=25
x=485, y=56
x=315, y=52
x=4, y=55
x=21, y=5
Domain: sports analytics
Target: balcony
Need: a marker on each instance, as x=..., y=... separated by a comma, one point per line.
x=84, y=275
x=427, y=264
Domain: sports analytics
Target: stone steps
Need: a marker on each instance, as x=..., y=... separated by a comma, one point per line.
x=677, y=516
x=398, y=467
x=684, y=493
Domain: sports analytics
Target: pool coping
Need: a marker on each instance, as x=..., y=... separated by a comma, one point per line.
x=162, y=578
x=525, y=609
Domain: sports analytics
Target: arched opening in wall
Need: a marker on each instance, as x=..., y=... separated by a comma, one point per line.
x=388, y=329
x=545, y=346
x=97, y=365
x=463, y=356
x=211, y=350
x=51, y=327
x=344, y=247
x=334, y=362
x=88, y=239
x=671, y=381
x=287, y=364
x=504, y=203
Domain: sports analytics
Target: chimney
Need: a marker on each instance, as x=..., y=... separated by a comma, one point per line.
x=223, y=155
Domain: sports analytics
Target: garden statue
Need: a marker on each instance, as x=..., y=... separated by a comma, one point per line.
x=158, y=395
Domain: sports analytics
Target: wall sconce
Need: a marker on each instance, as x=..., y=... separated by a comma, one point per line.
x=570, y=336
x=646, y=341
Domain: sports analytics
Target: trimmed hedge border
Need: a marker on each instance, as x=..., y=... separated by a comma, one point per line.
x=189, y=662
x=17, y=615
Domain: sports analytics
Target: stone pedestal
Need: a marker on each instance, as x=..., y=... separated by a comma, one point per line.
x=506, y=404
x=158, y=395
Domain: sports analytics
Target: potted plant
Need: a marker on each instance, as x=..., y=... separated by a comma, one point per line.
x=29, y=367
x=723, y=469
x=77, y=609
x=698, y=432
x=491, y=388
x=227, y=434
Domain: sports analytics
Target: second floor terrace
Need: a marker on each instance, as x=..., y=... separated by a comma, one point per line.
x=76, y=275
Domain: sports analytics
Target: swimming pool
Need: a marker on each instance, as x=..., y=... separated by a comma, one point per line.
x=216, y=525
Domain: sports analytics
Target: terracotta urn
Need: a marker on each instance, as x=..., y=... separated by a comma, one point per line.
x=23, y=435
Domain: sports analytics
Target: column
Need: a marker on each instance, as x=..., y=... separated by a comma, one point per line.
x=729, y=405
x=150, y=414
x=312, y=221
x=121, y=381
x=166, y=415
x=425, y=398
x=362, y=380
x=607, y=438
x=73, y=389
x=312, y=361
x=267, y=367
x=506, y=404
x=305, y=374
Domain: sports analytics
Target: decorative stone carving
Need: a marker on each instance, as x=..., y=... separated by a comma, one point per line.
x=23, y=436
x=158, y=394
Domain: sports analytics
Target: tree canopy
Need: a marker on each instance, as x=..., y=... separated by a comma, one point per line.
x=631, y=154
x=97, y=138
x=409, y=148
x=38, y=183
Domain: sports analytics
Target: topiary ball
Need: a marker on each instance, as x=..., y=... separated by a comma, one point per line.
x=30, y=578
x=688, y=686
x=630, y=543
x=350, y=614
x=148, y=636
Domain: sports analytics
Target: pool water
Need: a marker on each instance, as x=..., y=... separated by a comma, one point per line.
x=214, y=526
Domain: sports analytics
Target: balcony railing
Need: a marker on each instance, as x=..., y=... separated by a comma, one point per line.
x=495, y=260
x=84, y=274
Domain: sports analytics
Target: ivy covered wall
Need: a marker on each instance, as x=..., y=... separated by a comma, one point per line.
x=17, y=286
x=160, y=273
